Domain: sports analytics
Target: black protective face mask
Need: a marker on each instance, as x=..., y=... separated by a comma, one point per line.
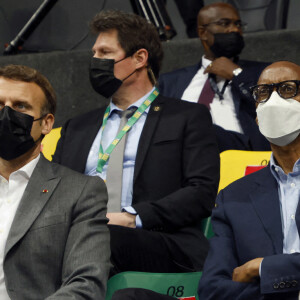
x=227, y=44
x=15, y=137
x=102, y=76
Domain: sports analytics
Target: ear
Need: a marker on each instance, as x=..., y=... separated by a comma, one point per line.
x=47, y=123
x=202, y=33
x=141, y=58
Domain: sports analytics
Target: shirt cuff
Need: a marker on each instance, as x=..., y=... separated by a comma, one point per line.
x=260, y=268
x=131, y=210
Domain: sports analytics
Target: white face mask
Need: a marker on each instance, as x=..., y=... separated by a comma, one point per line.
x=279, y=119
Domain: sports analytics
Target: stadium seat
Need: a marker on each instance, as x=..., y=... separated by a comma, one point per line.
x=49, y=143
x=178, y=285
x=236, y=164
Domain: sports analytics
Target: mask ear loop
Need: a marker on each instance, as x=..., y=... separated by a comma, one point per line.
x=130, y=73
x=149, y=70
x=121, y=60
x=42, y=135
x=43, y=116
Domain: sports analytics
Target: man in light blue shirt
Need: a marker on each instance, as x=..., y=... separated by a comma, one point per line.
x=106, y=137
x=255, y=253
x=167, y=178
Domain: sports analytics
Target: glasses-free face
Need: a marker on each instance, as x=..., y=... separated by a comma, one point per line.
x=285, y=89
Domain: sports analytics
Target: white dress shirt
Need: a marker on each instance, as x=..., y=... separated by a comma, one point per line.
x=11, y=192
x=222, y=111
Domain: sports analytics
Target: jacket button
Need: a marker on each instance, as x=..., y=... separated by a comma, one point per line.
x=287, y=284
x=294, y=283
x=275, y=286
x=282, y=284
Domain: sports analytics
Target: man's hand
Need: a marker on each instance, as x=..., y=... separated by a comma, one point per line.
x=123, y=219
x=248, y=271
x=222, y=67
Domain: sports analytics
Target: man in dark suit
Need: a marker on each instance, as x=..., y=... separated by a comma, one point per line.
x=54, y=241
x=220, y=80
x=255, y=251
x=170, y=164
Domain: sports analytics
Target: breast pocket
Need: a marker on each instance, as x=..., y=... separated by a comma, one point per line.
x=165, y=141
x=47, y=221
x=166, y=138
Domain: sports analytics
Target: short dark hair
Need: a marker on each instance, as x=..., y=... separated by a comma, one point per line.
x=26, y=74
x=134, y=33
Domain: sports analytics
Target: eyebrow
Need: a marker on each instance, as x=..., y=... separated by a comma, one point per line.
x=228, y=19
x=24, y=102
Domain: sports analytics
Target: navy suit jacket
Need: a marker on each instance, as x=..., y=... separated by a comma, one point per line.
x=247, y=225
x=176, y=171
x=173, y=84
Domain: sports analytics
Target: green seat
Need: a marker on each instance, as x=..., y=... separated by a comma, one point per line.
x=178, y=285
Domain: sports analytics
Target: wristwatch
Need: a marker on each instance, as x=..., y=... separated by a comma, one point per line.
x=237, y=71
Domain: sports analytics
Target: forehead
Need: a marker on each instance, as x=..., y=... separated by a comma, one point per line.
x=107, y=39
x=278, y=74
x=220, y=12
x=20, y=90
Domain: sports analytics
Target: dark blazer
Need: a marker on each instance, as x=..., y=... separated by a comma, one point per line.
x=176, y=171
x=247, y=225
x=173, y=84
x=58, y=244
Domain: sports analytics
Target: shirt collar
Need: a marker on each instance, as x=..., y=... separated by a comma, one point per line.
x=278, y=172
x=135, y=104
x=27, y=170
x=205, y=62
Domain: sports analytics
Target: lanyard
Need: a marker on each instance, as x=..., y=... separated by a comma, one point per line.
x=213, y=83
x=104, y=156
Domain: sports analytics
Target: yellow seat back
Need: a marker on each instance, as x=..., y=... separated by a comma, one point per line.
x=49, y=143
x=236, y=164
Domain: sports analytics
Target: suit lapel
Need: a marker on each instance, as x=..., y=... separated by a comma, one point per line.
x=38, y=191
x=86, y=136
x=185, y=80
x=147, y=133
x=265, y=200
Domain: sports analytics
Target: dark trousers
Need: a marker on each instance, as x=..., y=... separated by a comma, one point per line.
x=144, y=251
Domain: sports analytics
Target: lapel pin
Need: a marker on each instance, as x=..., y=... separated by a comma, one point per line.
x=45, y=191
x=156, y=108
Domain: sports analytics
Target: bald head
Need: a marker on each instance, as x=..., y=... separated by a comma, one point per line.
x=219, y=18
x=279, y=71
x=215, y=12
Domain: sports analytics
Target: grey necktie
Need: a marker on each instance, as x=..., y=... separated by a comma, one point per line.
x=115, y=166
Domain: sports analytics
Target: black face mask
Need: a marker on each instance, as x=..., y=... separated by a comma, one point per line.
x=102, y=76
x=15, y=137
x=227, y=44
